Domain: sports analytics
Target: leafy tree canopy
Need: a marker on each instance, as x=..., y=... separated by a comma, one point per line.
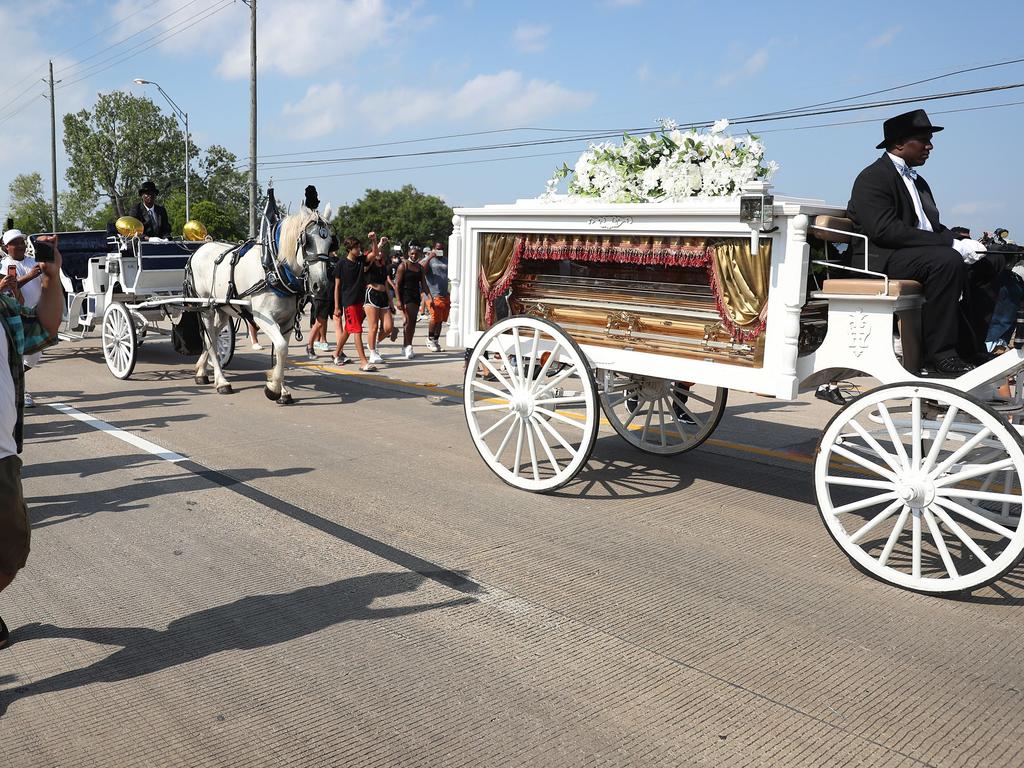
x=29, y=208
x=404, y=215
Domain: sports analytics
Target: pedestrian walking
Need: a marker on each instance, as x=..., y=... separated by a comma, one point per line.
x=17, y=262
x=378, y=305
x=411, y=285
x=349, y=295
x=436, y=268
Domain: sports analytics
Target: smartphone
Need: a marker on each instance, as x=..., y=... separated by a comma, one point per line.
x=12, y=271
x=43, y=251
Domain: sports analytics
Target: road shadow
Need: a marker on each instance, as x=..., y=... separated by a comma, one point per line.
x=256, y=621
x=45, y=511
x=63, y=428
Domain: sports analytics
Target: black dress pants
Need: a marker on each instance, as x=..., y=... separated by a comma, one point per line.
x=943, y=274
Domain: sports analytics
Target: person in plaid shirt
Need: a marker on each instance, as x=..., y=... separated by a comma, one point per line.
x=24, y=331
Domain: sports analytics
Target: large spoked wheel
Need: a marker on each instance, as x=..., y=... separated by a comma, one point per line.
x=920, y=485
x=226, y=344
x=531, y=403
x=658, y=415
x=120, y=342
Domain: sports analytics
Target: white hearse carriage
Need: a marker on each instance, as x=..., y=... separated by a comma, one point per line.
x=577, y=313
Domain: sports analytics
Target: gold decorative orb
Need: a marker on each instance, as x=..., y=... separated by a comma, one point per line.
x=128, y=226
x=195, y=231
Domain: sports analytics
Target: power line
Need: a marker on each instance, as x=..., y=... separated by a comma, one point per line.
x=102, y=66
x=562, y=154
x=542, y=142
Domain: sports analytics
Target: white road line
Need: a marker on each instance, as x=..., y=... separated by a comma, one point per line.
x=120, y=434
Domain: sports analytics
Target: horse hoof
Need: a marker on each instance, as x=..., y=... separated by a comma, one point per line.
x=202, y=380
x=271, y=394
x=225, y=389
x=285, y=399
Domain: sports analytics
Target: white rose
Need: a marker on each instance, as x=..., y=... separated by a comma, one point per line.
x=719, y=126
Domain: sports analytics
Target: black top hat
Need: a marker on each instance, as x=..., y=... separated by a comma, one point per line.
x=312, y=201
x=906, y=125
x=150, y=187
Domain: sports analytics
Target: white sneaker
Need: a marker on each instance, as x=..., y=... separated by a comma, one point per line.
x=343, y=360
x=408, y=353
x=29, y=402
x=433, y=346
x=376, y=357
x=257, y=347
x=323, y=346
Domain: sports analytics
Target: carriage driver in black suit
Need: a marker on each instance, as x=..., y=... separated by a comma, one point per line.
x=894, y=207
x=153, y=217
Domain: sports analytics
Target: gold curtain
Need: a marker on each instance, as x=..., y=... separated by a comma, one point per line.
x=496, y=249
x=743, y=279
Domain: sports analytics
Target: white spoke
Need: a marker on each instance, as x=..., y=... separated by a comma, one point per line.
x=492, y=390
x=940, y=543
x=885, y=514
x=634, y=414
x=558, y=438
x=897, y=443
x=501, y=448
x=698, y=422
x=940, y=438
x=975, y=471
x=974, y=517
x=497, y=424
x=507, y=363
x=883, y=454
x=661, y=418
x=915, y=450
x=690, y=394
x=960, y=534
x=555, y=381
x=647, y=422
x=960, y=452
x=544, y=444
x=564, y=419
x=964, y=493
x=858, y=482
x=581, y=398
x=533, y=351
x=916, y=543
x=897, y=529
x=878, y=469
x=533, y=451
x=519, y=447
x=479, y=408
x=495, y=373
x=552, y=355
x=520, y=369
x=864, y=503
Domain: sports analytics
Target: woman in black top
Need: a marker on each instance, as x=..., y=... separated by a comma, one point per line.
x=377, y=303
x=411, y=284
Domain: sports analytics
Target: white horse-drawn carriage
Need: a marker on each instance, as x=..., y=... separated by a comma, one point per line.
x=641, y=317
x=129, y=285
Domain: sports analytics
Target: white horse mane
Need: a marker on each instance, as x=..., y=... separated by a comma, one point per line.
x=291, y=228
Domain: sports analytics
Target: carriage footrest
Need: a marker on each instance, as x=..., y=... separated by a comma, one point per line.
x=859, y=287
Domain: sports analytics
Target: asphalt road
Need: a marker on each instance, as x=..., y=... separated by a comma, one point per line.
x=344, y=582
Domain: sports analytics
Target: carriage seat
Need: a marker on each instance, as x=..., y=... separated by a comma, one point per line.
x=871, y=287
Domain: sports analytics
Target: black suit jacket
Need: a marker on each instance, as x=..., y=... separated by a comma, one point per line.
x=882, y=208
x=163, y=227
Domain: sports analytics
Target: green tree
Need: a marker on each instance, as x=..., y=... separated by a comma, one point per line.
x=122, y=142
x=29, y=208
x=404, y=215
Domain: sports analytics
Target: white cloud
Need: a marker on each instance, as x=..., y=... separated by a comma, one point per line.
x=972, y=207
x=750, y=67
x=299, y=37
x=505, y=98
x=531, y=38
x=886, y=37
x=318, y=113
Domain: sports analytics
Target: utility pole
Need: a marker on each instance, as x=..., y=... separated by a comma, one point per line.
x=253, y=188
x=53, y=154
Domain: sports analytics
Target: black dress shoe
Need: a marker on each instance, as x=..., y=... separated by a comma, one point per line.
x=948, y=367
x=831, y=395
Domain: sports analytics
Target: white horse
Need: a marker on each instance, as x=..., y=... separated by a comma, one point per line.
x=216, y=271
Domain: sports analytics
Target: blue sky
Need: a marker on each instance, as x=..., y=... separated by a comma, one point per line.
x=336, y=74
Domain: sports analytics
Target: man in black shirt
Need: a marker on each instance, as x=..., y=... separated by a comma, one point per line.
x=349, y=295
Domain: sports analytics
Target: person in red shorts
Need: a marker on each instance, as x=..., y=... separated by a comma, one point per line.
x=349, y=294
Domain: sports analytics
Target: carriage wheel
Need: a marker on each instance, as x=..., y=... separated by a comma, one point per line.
x=226, y=344
x=920, y=485
x=531, y=403
x=120, y=342
x=659, y=415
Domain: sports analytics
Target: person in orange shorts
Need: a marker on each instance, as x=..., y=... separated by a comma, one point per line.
x=436, y=269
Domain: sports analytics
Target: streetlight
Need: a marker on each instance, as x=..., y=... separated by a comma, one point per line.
x=183, y=116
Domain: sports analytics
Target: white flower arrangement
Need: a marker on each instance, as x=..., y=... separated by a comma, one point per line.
x=669, y=165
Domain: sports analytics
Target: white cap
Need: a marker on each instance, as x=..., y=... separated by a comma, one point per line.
x=12, y=234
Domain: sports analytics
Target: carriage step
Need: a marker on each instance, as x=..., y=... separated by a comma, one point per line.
x=856, y=287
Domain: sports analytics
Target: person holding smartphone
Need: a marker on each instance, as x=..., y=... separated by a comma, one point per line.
x=27, y=272
x=25, y=331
